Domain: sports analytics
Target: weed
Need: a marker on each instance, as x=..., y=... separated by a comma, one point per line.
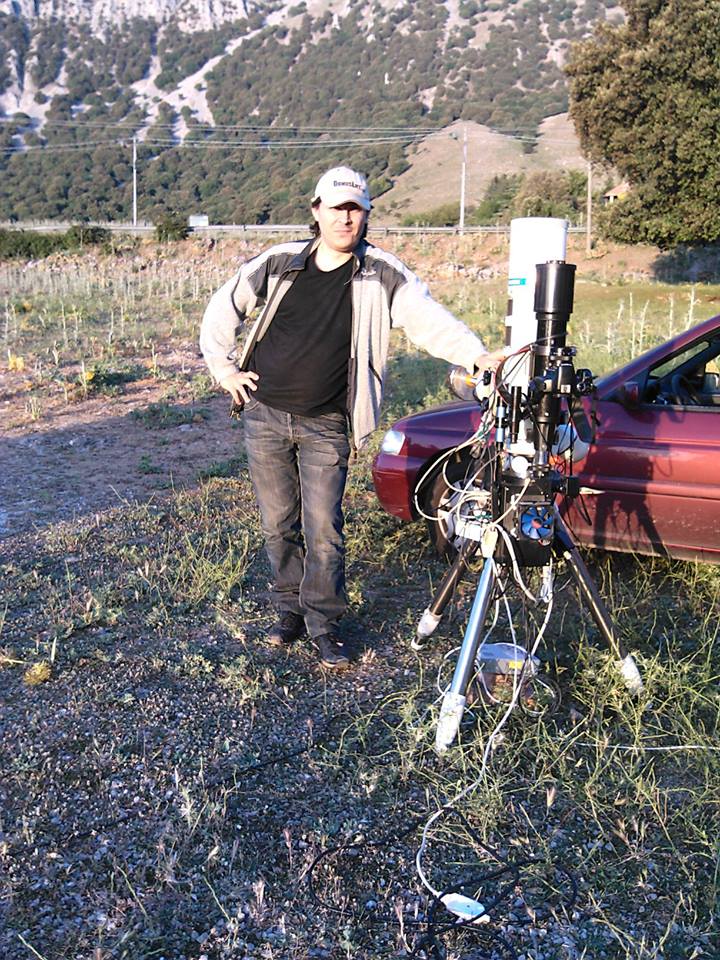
x=223, y=468
x=238, y=677
x=162, y=416
x=168, y=794
x=146, y=465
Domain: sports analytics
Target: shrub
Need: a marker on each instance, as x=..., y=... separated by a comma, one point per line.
x=27, y=245
x=447, y=215
x=171, y=227
x=80, y=235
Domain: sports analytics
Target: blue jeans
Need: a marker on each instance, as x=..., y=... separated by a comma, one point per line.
x=298, y=466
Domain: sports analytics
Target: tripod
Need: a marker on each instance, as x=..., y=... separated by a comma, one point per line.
x=455, y=697
x=513, y=521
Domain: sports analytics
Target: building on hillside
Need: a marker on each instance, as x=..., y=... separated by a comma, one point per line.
x=618, y=192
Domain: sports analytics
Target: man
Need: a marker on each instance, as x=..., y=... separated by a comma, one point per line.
x=311, y=370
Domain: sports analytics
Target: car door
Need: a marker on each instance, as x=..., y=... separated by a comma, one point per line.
x=653, y=472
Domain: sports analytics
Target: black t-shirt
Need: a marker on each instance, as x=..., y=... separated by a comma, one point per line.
x=302, y=361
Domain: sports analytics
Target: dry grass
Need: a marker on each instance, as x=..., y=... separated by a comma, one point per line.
x=169, y=780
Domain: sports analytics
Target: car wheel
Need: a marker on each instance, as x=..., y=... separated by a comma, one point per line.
x=449, y=496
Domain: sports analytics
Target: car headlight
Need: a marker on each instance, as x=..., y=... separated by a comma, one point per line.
x=393, y=442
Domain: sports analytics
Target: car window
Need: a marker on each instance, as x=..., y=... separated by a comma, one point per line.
x=688, y=378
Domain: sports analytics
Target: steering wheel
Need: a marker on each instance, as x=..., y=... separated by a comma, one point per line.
x=683, y=392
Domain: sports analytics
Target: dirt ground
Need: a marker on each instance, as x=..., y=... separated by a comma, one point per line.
x=172, y=786
x=83, y=457
x=79, y=458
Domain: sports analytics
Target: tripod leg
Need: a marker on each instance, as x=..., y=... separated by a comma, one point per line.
x=453, y=703
x=431, y=617
x=565, y=547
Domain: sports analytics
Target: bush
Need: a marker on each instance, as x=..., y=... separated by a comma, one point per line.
x=81, y=235
x=172, y=227
x=27, y=245
x=446, y=216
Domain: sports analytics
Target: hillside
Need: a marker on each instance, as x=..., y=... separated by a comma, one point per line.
x=433, y=176
x=237, y=106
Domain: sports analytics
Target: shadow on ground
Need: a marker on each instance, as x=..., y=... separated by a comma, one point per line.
x=686, y=264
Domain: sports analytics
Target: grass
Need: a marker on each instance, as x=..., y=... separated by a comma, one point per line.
x=162, y=415
x=168, y=782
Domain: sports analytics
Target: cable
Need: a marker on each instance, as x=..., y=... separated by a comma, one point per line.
x=486, y=755
x=436, y=926
x=216, y=144
x=423, y=131
x=641, y=748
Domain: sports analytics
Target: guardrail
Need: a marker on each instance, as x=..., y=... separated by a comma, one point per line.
x=259, y=229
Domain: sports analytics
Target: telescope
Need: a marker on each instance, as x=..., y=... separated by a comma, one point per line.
x=534, y=425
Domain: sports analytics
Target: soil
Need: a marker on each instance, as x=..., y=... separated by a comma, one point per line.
x=80, y=458
x=173, y=786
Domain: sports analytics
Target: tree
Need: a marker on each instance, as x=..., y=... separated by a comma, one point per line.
x=645, y=99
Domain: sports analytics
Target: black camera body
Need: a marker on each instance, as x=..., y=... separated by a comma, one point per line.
x=525, y=490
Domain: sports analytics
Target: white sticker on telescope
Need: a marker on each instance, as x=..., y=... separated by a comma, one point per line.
x=517, y=281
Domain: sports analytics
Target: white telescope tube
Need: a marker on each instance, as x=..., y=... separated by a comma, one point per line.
x=533, y=240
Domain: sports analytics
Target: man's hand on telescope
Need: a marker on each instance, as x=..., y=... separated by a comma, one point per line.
x=239, y=385
x=491, y=361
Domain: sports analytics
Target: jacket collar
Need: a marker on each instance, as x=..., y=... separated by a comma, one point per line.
x=300, y=259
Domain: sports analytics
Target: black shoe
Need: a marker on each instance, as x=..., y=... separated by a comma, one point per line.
x=333, y=651
x=289, y=628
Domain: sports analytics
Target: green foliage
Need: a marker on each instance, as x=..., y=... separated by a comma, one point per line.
x=549, y=194
x=29, y=245
x=645, y=100
x=14, y=39
x=544, y=194
x=367, y=73
x=80, y=235
x=172, y=227
x=499, y=195
x=162, y=416
x=448, y=215
x=182, y=54
x=49, y=53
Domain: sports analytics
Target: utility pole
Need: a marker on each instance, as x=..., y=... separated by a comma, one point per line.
x=463, y=174
x=588, y=211
x=134, y=166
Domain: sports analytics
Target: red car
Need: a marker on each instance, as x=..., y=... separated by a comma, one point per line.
x=650, y=482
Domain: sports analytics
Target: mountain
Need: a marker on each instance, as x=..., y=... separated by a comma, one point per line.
x=191, y=15
x=237, y=105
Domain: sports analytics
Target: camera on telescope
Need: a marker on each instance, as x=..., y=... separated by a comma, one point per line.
x=529, y=454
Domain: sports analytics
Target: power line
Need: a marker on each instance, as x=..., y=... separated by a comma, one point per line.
x=58, y=148
x=400, y=131
x=261, y=144
x=222, y=126
x=79, y=122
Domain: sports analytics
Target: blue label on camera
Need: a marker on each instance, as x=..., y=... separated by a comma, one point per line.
x=517, y=282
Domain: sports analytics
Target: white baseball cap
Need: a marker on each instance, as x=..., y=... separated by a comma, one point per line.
x=342, y=185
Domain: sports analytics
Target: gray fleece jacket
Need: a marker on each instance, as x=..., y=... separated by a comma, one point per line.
x=385, y=294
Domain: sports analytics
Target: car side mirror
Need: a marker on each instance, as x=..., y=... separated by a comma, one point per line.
x=629, y=394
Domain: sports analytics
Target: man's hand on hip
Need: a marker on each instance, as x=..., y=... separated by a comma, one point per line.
x=239, y=385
